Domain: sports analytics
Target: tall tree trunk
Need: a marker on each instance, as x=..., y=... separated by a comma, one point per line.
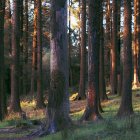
x=2, y=90
x=40, y=100
x=15, y=72
x=119, y=48
x=114, y=51
x=108, y=38
x=26, y=78
x=102, y=85
x=136, y=42
x=138, y=35
x=21, y=48
x=91, y=111
x=82, y=84
x=126, y=102
x=34, y=51
x=58, y=103
x=70, y=46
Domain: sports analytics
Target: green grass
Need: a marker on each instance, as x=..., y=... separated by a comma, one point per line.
x=110, y=128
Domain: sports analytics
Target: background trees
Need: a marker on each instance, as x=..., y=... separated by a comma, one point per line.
x=29, y=45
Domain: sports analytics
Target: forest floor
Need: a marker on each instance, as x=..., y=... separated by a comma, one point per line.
x=110, y=128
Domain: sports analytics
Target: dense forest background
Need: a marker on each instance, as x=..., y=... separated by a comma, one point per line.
x=56, y=53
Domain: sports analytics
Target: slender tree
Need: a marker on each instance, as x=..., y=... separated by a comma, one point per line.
x=40, y=101
x=34, y=51
x=26, y=77
x=82, y=83
x=102, y=84
x=119, y=48
x=126, y=102
x=108, y=39
x=91, y=111
x=2, y=91
x=114, y=51
x=21, y=48
x=58, y=103
x=70, y=46
x=136, y=41
x=15, y=72
x=138, y=34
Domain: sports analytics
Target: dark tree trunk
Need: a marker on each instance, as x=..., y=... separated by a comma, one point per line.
x=126, y=102
x=58, y=103
x=40, y=100
x=70, y=47
x=119, y=48
x=82, y=84
x=102, y=85
x=114, y=51
x=15, y=72
x=108, y=40
x=2, y=90
x=21, y=88
x=26, y=78
x=91, y=111
x=34, y=51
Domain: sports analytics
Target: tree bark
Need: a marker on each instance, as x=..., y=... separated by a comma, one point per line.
x=40, y=100
x=58, y=103
x=126, y=102
x=136, y=42
x=21, y=88
x=102, y=85
x=15, y=72
x=26, y=77
x=34, y=51
x=114, y=51
x=82, y=84
x=91, y=111
x=119, y=48
x=2, y=90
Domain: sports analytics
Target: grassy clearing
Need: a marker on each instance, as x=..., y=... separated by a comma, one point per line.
x=108, y=129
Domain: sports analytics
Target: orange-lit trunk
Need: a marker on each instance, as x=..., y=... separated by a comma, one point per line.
x=92, y=110
x=136, y=43
x=40, y=100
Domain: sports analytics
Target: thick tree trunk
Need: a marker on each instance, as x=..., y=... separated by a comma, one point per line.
x=2, y=91
x=91, y=111
x=40, y=100
x=58, y=103
x=34, y=51
x=15, y=72
x=114, y=51
x=126, y=102
x=82, y=84
x=102, y=85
